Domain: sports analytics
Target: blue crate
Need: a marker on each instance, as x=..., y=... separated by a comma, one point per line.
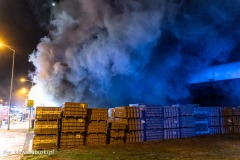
x=171, y=122
x=202, y=132
x=214, y=121
x=187, y=132
x=187, y=121
x=212, y=111
x=171, y=133
x=214, y=130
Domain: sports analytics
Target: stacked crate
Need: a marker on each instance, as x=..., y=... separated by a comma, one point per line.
x=46, y=128
x=153, y=117
x=236, y=119
x=201, y=121
x=97, y=126
x=213, y=120
x=117, y=132
x=171, y=122
x=187, y=127
x=73, y=124
x=132, y=117
x=227, y=126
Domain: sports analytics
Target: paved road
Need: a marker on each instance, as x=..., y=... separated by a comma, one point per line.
x=14, y=142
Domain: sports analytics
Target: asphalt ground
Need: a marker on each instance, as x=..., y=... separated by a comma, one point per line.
x=14, y=143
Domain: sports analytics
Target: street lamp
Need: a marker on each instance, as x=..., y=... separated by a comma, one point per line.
x=11, y=84
x=26, y=80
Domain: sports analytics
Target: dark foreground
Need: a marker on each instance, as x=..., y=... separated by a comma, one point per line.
x=204, y=147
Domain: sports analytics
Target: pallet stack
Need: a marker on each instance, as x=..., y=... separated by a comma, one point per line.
x=227, y=125
x=153, y=118
x=97, y=126
x=201, y=121
x=46, y=128
x=187, y=128
x=132, y=117
x=171, y=122
x=236, y=119
x=73, y=124
x=214, y=119
x=117, y=132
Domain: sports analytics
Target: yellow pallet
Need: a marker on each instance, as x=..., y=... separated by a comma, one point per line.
x=44, y=142
x=75, y=105
x=134, y=137
x=100, y=139
x=69, y=140
x=117, y=133
x=118, y=125
x=73, y=125
x=126, y=112
x=48, y=113
x=97, y=114
x=117, y=140
x=46, y=127
x=75, y=109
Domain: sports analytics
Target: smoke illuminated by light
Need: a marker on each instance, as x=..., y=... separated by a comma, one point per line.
x=109, y=53
x=40, y=97
x=216, y=73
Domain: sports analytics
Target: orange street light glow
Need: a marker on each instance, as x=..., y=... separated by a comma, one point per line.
x=7, y=46
x=24, y=90
x=1, y=44
x=22, y=80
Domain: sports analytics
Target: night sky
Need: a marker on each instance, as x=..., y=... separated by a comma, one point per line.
x=110, y=52
x=22, y=24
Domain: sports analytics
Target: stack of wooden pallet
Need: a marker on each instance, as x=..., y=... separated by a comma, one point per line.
x=46, y=128
x=73, y=124
x=187, y=127
x=132, y=117
x=97, y=126
x=117, y=132
x=153, y=117
x=201, y=121
x=171, y=122
x=227, y=125
x=236, y=119
x=214, y=119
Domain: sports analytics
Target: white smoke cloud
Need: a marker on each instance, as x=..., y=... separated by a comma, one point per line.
x=110, y=52
x=95, y=44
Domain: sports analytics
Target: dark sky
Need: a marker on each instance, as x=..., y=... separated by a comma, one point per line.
x=22, y=24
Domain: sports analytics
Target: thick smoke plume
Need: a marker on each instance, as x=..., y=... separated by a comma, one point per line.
x=112, y=52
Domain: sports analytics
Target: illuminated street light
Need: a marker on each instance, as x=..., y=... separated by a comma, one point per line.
x=11, y=85
x=26, y=80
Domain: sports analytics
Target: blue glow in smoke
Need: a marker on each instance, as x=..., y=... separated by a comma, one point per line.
x=121, y=52
x=217, y=73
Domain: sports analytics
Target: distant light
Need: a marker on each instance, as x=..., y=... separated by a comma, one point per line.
x=22, y=80
x=1, y=44
x=53, y=4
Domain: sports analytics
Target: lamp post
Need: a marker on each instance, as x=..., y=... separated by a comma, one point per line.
x=11, y=84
